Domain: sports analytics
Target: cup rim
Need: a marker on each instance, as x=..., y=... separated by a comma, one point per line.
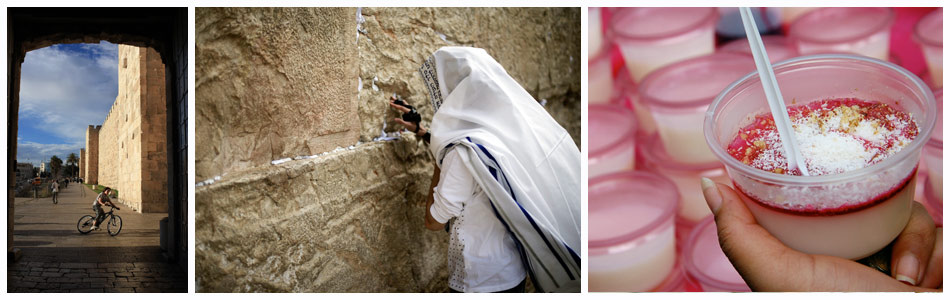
x=925, y=125
x=882, y=25
x=620, y=34
x=694, y=269
x=667, y=214
x=656, y=103
x=628, y=134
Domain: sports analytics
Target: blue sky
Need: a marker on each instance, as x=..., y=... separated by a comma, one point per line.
x=63, y=89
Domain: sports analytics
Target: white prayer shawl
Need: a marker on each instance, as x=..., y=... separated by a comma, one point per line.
x=524, y=160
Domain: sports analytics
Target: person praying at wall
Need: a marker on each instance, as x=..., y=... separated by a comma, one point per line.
x=506, y=184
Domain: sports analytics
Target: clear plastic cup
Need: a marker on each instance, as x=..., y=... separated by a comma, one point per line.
x=600, y=78
x=704, y=261
x=595, y=32
x=612, y=140
x=652, y=37
x=933, y=154
x=678, y=95
x=852, y=214
x=631, y=232
x=777, y=47
x=929, y=34
x=858, y=30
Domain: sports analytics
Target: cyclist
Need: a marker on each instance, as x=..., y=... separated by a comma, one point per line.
x=102, y=199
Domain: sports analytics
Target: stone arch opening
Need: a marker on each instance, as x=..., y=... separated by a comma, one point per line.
x=162, y=29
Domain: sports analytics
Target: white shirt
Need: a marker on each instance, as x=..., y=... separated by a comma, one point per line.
x=482, y=254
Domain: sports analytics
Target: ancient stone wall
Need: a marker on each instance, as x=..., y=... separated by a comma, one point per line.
x=91, y=174
x=132, y=153
x=273, y=83
x=351, y=219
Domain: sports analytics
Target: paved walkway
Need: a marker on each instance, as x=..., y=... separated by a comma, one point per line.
x=57, y=258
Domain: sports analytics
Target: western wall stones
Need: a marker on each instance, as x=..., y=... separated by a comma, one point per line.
x=272, y=83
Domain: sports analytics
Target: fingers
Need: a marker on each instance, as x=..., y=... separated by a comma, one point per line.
x=933, y=277
x=398, y=107
x=913, y=247
x=754, y=252
x=410, y=126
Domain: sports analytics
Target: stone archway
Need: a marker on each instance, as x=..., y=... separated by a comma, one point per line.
x=162, y=29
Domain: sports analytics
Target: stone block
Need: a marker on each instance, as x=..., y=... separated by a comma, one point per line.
x=272, y=83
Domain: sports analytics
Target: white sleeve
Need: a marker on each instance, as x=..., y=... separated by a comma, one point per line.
x=456, y=186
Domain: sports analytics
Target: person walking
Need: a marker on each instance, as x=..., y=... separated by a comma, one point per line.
x=55, y=189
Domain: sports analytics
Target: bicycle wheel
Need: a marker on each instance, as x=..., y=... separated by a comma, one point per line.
x=85, y=224
x=115, y=225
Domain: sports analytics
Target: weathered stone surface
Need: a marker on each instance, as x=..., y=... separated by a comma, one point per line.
x=132, y=154
x=344, y=222
x=539, y=47
x=351, y=220
x=272, y=83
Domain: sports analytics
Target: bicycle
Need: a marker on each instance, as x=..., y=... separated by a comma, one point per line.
x=113, y=222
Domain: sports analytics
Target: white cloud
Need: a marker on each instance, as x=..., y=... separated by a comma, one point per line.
x=68, y=90
x=35, y=152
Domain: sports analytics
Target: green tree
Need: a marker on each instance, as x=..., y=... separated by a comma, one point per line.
x=55, y=163
x=72, y=159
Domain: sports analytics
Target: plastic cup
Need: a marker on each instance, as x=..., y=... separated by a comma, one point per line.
x=652, y=37
x=612, y=140
x=600, y=78
x=852, y=214
x=704, y=261
x=858, y=30
x=933, y=154
x=677, y=95
x=595, y=32
x=631, y=232
x=929, y=34
x=778, y=47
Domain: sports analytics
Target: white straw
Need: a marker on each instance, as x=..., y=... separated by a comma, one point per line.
x=772, y=93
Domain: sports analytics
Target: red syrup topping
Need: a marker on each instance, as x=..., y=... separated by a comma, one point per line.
x=827, y=125
x=877, y=129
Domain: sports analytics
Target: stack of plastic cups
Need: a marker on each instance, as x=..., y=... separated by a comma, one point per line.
x=612, y=139
x=652, y=37
x=678, y=96
x=631, y=240
x=705, y=262
x=858, y=30
x=932, y=157
x=929, y=34
x=778, y=47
